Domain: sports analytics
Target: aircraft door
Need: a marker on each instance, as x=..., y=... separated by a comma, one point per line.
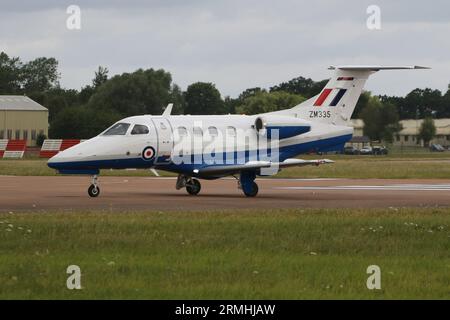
x=165, y=140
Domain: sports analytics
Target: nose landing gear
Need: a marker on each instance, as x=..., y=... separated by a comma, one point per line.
x=192, y=185
x=94, y=189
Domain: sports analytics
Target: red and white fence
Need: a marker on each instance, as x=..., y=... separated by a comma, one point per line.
x=12, y=148
x=51, y=147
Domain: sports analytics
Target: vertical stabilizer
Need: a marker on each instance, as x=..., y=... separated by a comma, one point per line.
x=337, y=101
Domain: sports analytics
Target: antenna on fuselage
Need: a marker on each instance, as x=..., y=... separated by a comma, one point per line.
x=168, y=110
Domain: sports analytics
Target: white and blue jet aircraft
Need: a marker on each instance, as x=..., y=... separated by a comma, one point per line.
x=216, y=146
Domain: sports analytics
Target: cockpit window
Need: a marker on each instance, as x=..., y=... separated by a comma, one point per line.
x=119, y=129
x=139, y=129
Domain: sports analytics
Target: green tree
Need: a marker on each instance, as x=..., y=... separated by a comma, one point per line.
x=56, y=99
x=421, y=103
x=231, y=104
x=381, y=120
x=177, y=98
x=85, y=94
x=40, y=139
x=140, y=92
x=427, y=130
x=39, y=75
x=268, y=101
x=250, y=92
x=446, y=102
x=363, y=100
x=302, y=86
x=81, y=123
x=9, y=74
x=203, y=98
x=101, y=76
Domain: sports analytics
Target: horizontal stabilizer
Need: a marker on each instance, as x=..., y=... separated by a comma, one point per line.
x=374, y=68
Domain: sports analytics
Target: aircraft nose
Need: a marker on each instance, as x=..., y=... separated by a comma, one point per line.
x=55, y=161
x=63, y=158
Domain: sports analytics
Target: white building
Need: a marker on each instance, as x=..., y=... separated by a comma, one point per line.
x=408, y=136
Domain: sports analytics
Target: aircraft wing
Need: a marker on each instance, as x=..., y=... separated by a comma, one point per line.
x=255, y=165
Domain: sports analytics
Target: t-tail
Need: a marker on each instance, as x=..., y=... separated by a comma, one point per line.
x=337, y=101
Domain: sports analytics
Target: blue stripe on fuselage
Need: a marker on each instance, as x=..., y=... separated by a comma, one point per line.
x=82, y=167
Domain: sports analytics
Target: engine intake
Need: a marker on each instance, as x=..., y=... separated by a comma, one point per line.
x=285, y=126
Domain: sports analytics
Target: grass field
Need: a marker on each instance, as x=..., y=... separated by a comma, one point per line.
x=290, y=254
x=398, y=166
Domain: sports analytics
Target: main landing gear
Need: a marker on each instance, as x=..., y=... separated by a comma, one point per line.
x=192, y=185
x=94, y=189
x=247, y=183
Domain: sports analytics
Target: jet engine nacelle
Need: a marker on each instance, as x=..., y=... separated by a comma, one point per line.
x=287, y=126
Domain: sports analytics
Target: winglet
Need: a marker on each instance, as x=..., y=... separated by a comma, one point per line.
x=168, y=110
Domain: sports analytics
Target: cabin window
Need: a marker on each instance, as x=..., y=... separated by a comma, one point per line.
x=182, y=131
x=2, y=134
x=25, y=134
x=33, y=135
x=213, y=131
x=119, y=129
x=17, y=134
x=231, y=131
x=197, y=131
x=140, y=129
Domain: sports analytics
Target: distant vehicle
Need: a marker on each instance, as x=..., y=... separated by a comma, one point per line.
x=351, y=150
x=436, y=148
x=379, y=150
x=366, y=150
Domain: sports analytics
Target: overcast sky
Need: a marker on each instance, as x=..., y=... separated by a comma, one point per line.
x=236, y=44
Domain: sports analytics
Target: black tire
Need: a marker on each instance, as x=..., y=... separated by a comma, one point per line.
x=93, y=191
x=194, y=188
x=253, y=192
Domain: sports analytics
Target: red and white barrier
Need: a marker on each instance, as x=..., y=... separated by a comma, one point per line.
x=12, y=148
x=51, y=147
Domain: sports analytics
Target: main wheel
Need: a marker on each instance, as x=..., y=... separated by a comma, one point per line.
x=93, y=191
x=252, y=192
x=194, y=187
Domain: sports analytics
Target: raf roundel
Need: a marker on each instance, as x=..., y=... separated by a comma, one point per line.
x=148, y=153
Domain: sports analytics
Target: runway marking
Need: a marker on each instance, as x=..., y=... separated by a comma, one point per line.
x=393, y=187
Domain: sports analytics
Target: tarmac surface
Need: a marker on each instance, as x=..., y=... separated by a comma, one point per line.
x=69, y=193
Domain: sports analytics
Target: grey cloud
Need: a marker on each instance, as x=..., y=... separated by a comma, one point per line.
x=236, y=44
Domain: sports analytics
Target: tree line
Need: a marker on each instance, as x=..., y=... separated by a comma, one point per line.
x=86, y=112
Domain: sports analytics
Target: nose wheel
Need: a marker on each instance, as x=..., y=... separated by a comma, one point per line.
x=94, y=189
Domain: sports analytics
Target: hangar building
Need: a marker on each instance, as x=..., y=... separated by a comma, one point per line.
x=22, y=118
x=409, y=135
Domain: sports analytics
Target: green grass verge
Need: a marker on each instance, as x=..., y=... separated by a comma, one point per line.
x=413, y=166
x=273, y=254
